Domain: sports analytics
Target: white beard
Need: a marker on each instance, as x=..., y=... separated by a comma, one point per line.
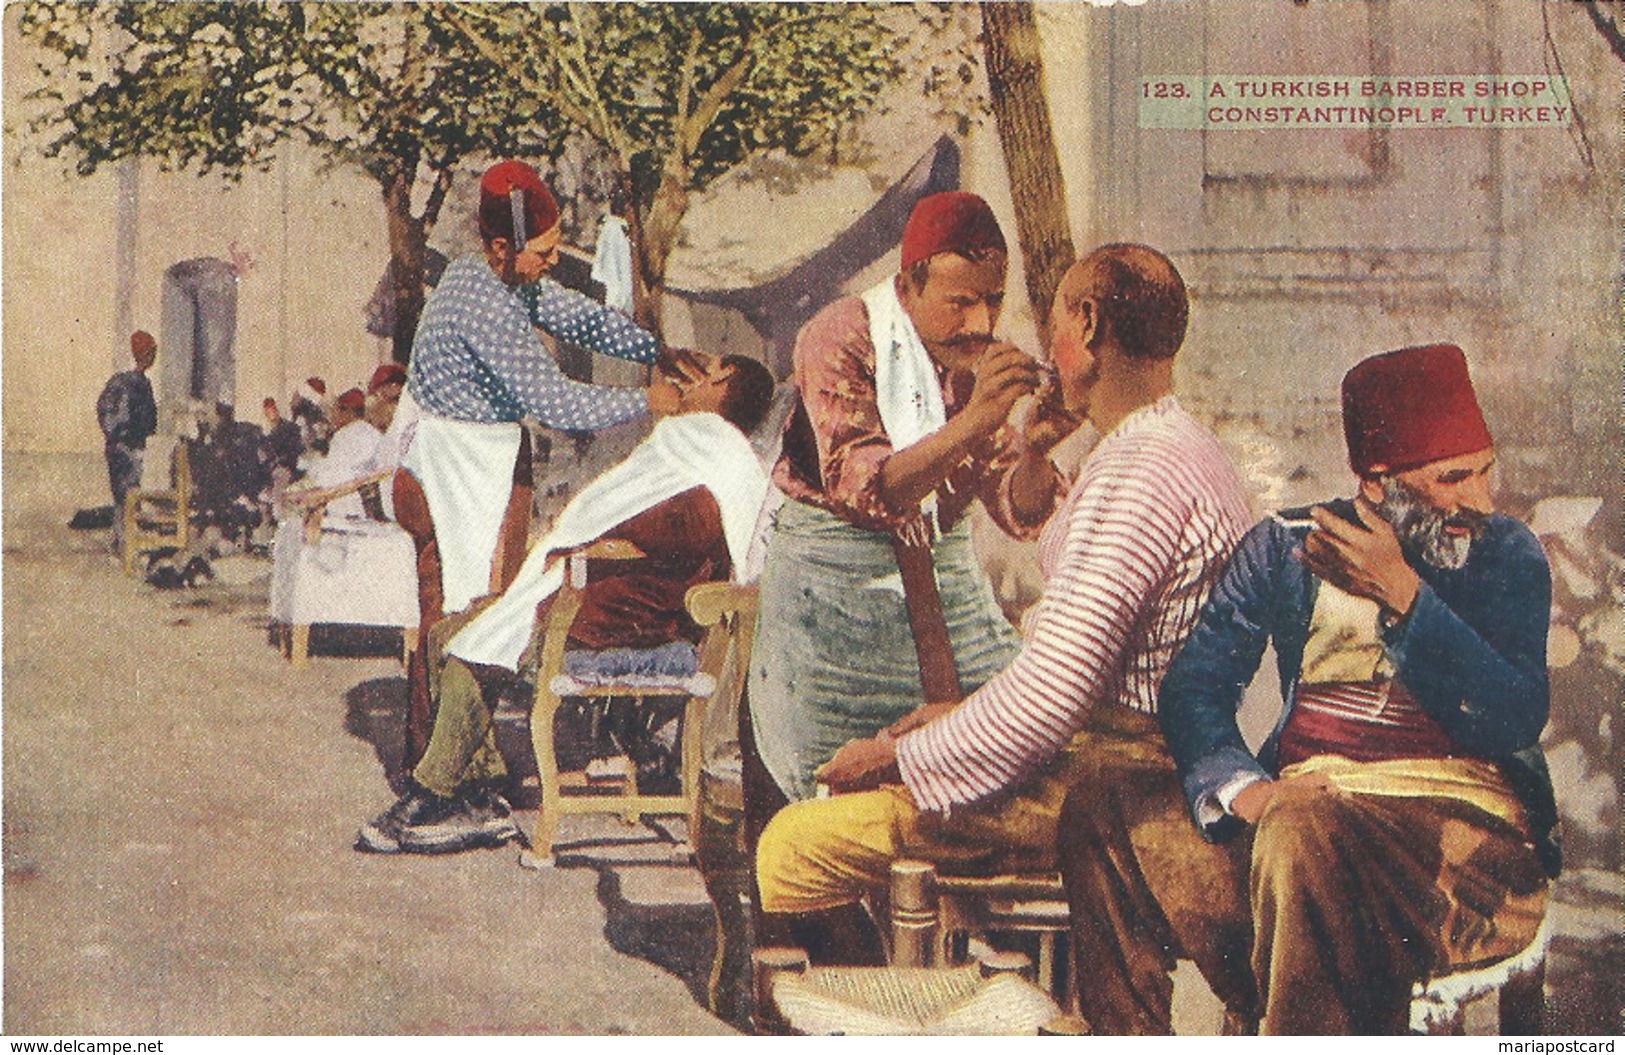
x=1423, y=527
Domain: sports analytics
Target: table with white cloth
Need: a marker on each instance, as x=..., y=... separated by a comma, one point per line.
x=356, y=573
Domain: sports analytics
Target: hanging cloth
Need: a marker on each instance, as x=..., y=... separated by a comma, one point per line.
x=612, y=263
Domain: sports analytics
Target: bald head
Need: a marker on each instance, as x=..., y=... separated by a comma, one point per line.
x=1141, y=299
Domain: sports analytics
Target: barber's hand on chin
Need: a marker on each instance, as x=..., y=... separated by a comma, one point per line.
x=664, y=398
x=683, y=364
x=860, y=765
x=1003, y=374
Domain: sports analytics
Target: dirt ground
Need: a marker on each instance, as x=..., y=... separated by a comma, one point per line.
x=179, y=806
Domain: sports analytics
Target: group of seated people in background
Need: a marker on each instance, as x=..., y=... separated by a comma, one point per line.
x=1397, y=822
x=241, y=472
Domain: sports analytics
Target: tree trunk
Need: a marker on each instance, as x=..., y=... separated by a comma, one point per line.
x=656, y=236
x=408, y=240
x=1015, y=76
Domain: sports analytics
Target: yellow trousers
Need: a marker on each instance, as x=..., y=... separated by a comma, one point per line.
x=823, y=853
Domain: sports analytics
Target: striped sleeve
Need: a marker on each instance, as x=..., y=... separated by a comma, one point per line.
x=1123, y=537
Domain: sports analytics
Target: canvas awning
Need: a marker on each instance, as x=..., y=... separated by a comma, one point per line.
x=777, y=259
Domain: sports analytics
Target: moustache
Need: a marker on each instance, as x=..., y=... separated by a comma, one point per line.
x=970, y=340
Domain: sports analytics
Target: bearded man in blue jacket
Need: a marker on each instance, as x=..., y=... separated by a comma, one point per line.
x=1399, y=820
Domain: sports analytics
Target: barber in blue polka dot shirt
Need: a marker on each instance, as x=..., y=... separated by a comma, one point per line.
x=479, y=366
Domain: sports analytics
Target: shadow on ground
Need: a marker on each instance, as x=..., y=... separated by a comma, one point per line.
x=678, y=938
x=375, y=712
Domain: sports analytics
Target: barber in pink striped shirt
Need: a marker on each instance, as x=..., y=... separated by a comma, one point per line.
x=1128, y=559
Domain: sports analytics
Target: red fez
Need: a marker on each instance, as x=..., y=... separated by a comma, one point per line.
x=388, y=374
x=142, y=343
x=954, y=221
x=317, y=385
x=496, y=208
x=353, y=400
x=269, y=404
x=1407, y=408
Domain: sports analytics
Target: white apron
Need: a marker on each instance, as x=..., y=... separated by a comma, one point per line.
x=466, y=470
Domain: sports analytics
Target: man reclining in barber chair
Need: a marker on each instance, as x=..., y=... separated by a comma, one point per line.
x=688, y=498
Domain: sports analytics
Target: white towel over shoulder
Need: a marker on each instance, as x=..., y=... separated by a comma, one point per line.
x=908, y=394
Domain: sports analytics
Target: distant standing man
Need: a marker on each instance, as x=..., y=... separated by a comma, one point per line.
x=128, y=414
x=280, y=445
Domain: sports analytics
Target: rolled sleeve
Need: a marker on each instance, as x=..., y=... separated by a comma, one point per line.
x=1010, y=446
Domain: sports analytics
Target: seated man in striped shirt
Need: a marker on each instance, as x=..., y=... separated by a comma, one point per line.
x=1397, y=824
x=1127, y=559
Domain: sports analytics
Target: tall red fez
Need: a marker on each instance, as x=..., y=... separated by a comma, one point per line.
x=954, y=221
x=354, y=400
x=388, y=374
x=269, y=404
x=1407, y=408
x=142, y=343
x=541, y=212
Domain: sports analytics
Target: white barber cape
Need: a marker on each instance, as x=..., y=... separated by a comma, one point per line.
x=682, y=452
x=403, y=427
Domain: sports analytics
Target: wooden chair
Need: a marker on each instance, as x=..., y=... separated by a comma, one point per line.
x=714, y=605
x=159, y=519
x=933, y=916
x=354, y=573
x=717, y=824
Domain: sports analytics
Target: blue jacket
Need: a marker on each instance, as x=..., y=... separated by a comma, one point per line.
x=1472, y=653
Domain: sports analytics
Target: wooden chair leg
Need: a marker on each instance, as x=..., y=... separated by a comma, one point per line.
x=716, y=832
x=1523, y=1004
x=299, y=644
x=547, y=769
x=692, y=758
x=629, y=783
x=1046, y=961
x=914, y=917
x=767, y=965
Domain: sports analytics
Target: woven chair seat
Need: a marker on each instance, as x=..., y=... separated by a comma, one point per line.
x=911, y=1001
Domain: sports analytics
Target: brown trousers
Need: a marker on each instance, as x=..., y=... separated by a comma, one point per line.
x=1319, y=921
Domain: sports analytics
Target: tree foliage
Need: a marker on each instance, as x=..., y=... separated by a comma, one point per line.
x=678, y=94
x=675, y=94
x=384, y=88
